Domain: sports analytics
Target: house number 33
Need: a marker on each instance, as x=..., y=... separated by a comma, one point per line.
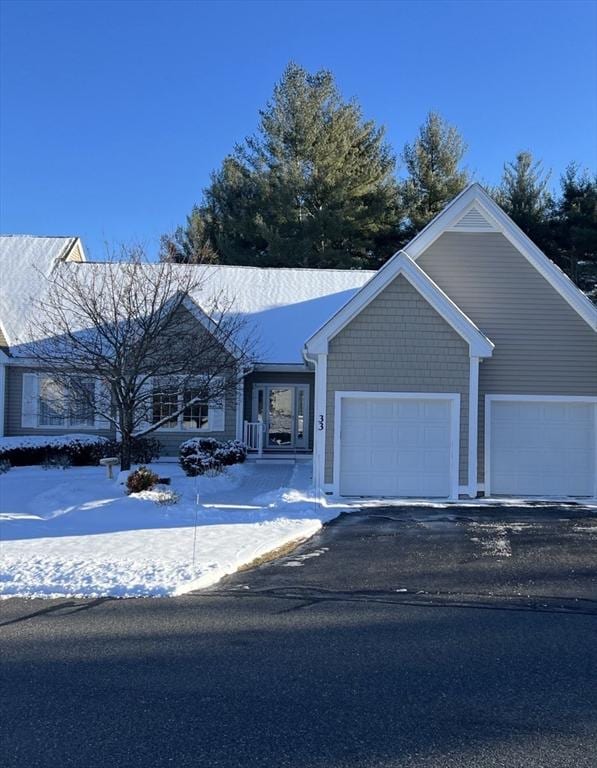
x=320, y=423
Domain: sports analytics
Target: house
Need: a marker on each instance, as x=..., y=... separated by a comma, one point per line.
x=466, y=365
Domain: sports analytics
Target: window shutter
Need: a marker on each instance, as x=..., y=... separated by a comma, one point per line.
x=215, y=416
x=102, y=398
x=30, y=400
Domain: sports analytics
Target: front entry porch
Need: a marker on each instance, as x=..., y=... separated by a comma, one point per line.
x=279, y=424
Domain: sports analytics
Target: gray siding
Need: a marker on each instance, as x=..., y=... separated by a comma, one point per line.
x=14, y=398
x=398, y=343
x=169, y=440
x=282, y=377
x=542, y=346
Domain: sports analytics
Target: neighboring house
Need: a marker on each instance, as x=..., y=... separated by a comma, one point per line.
x=467, y=364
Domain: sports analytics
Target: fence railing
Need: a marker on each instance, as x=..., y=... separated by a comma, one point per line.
x=254, y=436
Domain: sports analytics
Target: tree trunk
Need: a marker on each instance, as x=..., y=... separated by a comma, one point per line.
x=125, y=452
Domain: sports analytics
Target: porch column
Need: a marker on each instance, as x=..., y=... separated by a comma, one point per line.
x=320, y=425
x=473, y=425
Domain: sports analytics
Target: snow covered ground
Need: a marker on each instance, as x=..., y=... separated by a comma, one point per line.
x=74, y=533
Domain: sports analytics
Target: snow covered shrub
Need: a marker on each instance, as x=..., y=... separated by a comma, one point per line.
x=166, y=497
x=143, y=451
x=56, y=461
x=142, y=479
x=5, y=466
x=80, y=450
x=232, y=452
x=206, y=455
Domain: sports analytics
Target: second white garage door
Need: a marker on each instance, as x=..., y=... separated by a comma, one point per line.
x=540, y=447
x=399, y=446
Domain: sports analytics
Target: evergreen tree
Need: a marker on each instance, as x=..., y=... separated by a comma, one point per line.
x=434, y=174
x=524, y=195
x=575, y=228
x=314, y=187
x=190, y=244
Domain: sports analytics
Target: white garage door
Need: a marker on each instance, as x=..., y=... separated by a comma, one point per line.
x=541, y=448
x=396, y=447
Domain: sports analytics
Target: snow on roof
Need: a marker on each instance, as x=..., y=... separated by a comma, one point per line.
x=25, y=261
x=282, y=307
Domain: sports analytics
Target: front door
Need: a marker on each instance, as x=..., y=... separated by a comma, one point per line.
x=283, y=411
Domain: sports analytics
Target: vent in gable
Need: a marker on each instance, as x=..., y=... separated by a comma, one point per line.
x=474, y=220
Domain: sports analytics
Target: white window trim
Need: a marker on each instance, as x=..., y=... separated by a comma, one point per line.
x=2, y=394
x=452, y=397
x=208, y=428
x=68, y=423
x=489, y=399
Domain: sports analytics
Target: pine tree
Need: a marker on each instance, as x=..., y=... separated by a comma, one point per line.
x=190, y=244
x=575, y=228
x=313, y=187
x=434, y=174
x=524, y=195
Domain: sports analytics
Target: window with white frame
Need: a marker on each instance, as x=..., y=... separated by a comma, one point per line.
x=168, y=400
x=66, y=406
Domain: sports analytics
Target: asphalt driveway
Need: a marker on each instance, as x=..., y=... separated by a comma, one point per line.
x=539, y=556
x=397, y=637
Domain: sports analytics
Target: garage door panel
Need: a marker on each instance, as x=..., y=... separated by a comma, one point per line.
x=395, y=447
x=384, y=461
x=437, y=437
x=381, y=409
x=436, y=461
x=542, y=448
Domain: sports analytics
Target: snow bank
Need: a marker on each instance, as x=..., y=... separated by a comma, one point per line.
x=75, y=533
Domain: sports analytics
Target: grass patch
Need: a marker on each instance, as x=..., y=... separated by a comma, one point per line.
x=273, y=554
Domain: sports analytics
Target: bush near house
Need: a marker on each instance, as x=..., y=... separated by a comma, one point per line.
x=79, y=450
x=144, y=450
x=76, y=450
x=206, y=454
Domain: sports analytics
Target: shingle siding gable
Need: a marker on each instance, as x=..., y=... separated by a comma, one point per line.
x=398, y=343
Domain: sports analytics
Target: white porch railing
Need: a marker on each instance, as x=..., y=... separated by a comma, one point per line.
x=254, y=436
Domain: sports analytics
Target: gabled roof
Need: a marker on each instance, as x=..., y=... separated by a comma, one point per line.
x=281, y=307
x=25, y=262
x=402, y=264
x=473, y=210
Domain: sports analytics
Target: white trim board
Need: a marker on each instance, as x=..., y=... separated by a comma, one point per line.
x=320, y=421
x=452, y=397
x=473, y=426
x=489, y=399
x=402, y=264
x=475, y=196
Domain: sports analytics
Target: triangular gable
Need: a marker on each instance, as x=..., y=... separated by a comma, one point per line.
x=474, y=210
x=210, y=325
x=473, y=221
x=402, y=264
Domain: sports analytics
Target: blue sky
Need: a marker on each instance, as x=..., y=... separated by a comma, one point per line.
x=114, y=113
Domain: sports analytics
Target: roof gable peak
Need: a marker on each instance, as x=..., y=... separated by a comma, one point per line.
x=474, y=210
x=402, y=264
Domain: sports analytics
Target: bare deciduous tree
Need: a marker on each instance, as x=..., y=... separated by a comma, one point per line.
x=130, y=344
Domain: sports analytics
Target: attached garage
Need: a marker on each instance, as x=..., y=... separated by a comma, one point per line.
x=540, y=446
x=397, y=444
